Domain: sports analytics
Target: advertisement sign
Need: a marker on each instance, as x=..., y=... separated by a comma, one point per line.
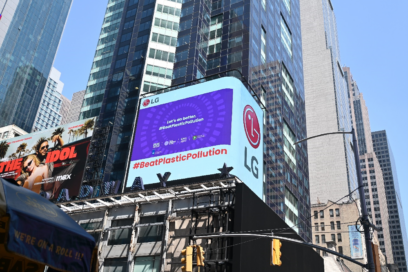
x=193, y=131
x=49, y=162
x=356, y=244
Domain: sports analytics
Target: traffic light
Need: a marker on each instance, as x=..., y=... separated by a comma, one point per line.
x=276, y=252
x=200, y=256
x=187, y=260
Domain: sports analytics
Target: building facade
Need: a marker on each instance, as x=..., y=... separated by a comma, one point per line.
x=74, y=108
x=11, y=131
x=65, y=109
x=371, y=172
x=147, y=231
x=156, y=44
x=48, y=114
x=25, y=62
x=333, y=223
x=396, y=221
x=332, y=170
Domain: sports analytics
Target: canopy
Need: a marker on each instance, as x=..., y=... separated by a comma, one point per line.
x=36, y=229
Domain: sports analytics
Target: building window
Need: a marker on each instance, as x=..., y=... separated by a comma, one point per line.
x=263, y=45
x=287, y=5
x=332, y=225
x=150, y=233
x=331, y=213
x=337, y=212
x=115, y=265
x=235, y=57
x=321, y=214
x=288, y=87
x=323, y=238
x=147, y=264
x=340, y=249
x=316, y=214
x=214, y=43
x=180, y=72
x=317, y=239
x=183, y=55
x=339, y=238
x=158, y=71
x=168, y=40
x=93, y=228
x=161, y=55
x=120, y=236
x=286, y=37
x=338, y=224
x=316, y=226
x=322, y=226
x=333, y=237
x=290, y=149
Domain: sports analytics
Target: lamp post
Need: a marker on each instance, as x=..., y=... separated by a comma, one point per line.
x=365, y=222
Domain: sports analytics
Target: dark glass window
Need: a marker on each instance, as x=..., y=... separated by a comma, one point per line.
x=187, y=11
x=126, y=37
x=131, y=12
x=183, y=55
x=128, y=24
x=142, y=40
x=115, y=265
x=180, y=72
x=183, y=40
x=338, y=224
x=123, y=50
x=150, y=233
x=120, y=236
x=331, y=213
x=236, y=12
x=147, y=12
x=185, y=25
x=236, y=41
x=213, y=63
x=332, y=225
x=139, y=54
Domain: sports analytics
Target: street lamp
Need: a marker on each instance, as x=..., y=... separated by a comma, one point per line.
x=365, y=222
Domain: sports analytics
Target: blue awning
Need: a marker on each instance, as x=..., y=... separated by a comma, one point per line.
x=40, y=231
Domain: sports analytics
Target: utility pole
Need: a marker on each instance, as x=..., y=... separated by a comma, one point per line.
x=364, y=215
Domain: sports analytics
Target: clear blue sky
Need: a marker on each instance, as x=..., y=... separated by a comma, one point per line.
x=373, y=39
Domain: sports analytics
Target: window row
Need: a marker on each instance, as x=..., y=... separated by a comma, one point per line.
x=159, y=71
x=164, y=39
x=316, y=213
x=161, y=55
x=333, y=238
x=332, y=226
x=168, y=10
x=166, y=24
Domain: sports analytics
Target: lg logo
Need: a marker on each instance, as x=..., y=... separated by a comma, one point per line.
x=253, y=134
x=147, y=102
x=251, y=126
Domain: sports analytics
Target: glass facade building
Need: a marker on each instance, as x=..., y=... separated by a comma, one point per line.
x=48, y=114
x=399, y=242
x=169, y=42
x=31, y=32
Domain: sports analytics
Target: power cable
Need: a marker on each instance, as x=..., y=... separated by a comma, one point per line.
x=336, y=202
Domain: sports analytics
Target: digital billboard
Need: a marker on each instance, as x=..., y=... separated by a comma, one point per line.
x=356, y=243
x=48, y=162
x=193, y=131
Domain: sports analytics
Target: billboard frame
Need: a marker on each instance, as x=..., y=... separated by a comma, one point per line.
x=242, y=79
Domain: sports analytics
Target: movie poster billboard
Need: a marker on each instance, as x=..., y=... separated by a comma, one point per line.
x=193, y=131
x=356, y=243
x=48, y=162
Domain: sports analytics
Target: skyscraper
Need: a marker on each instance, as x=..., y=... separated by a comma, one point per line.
x=64, y=110
x=373, y=181
x=156, y=44
x=75, y=107
x=332, y=170
x=48, y=113
x=382, y=149
x=29, y=38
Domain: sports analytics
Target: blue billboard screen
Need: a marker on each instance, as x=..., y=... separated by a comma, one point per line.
x=192, y=123
x=193, y=131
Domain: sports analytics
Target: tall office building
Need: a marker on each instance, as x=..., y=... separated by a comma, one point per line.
x=30, y=32
x=332, y=170
x=74, y=108
x=382, y=149
x=370, y=167
x=48, y=113
x=65, y=109
x=147, y=45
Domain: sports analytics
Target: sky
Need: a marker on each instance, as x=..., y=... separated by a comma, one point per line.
x=373, y=37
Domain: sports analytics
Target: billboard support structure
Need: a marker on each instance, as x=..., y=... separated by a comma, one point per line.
x=92, y=173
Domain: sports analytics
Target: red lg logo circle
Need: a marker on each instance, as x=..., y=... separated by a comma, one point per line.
x=252, y=128
x=146, y=102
